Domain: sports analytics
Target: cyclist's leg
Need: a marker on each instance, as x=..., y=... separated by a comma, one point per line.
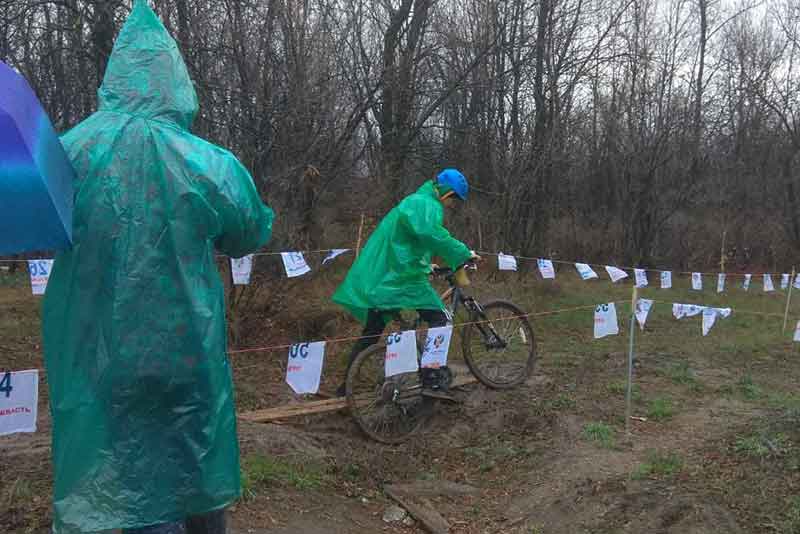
x=434, y=318
x=435, y=378
x=369, y=336
x=210, y=523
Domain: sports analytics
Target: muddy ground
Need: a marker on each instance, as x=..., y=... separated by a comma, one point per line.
x=714, y=446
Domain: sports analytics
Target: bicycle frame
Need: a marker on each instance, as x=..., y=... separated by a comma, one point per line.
x=484, y=326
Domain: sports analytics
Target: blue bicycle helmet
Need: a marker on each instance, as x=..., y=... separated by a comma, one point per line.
x=453, y=180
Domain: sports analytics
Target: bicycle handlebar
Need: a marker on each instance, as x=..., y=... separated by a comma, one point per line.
x=447, y=271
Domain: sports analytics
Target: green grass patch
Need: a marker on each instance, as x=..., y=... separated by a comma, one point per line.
x=761, y=445
x=599, y=433
x=563, y=401
x=660, y=409
x=681, y=373
x=749, y=389
x=260, y=472
x=619, y=388
x=496, y=451
x=792, y=523
x=659, y=464
x=784, y=401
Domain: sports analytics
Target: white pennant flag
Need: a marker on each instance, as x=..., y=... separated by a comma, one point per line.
x=334, y=254
x=643, y=307
x=746, y=283
x=605, y=321
x=241, y=269
x=686, y=310
x=546, y=268
x=295, y=264
x=19, y=399
x=437, y=345
x=616, y=274
x=797, y=332
x=40, y=274
x=304, y=369
x=768, y=283
x=401, y=353
x=710, y=317
x=720, y=282
x=785, y=281
x=641, y=277
x=797, y=281
x=697, y=281
x=666, y=279
x=506, y=263
x=586, y=272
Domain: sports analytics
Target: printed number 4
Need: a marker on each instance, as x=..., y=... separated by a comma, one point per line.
x=5, y=385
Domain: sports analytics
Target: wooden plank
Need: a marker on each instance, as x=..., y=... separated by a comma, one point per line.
x=435, y=488
x=424, y=513
x=317, y=407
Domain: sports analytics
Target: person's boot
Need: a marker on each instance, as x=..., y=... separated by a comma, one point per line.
x=210, y=523
x=165, y=528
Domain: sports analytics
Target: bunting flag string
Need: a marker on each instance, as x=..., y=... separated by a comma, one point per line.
x=506, y=263
x=768, y=285
x=643, y=307
x=548, y=272
x=304, y=368
x=19, y=401
x=641, y=277
x=697, y=281
x=585, y=271
x=295, y=264
x=616, y=274
x=666, y=280
x=241, y=269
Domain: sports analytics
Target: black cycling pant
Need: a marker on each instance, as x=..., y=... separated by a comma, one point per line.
x=376, y=323
x=210, y=523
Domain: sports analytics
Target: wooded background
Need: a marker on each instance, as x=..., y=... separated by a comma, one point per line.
x=633, y=131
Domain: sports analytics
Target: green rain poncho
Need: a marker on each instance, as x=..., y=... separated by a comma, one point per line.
x=141, y=394
x=391, y=273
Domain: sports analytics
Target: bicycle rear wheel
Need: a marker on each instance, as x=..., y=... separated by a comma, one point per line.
x=387, y=409
x=499, y=346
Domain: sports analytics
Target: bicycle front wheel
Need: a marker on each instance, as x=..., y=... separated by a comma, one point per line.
x=499, y=347
x=387, y=409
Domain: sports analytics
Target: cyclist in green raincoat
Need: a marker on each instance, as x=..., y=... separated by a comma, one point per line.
x=392, y=271
x=141, y=393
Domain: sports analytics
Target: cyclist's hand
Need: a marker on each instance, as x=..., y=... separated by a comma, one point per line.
x=434, y=267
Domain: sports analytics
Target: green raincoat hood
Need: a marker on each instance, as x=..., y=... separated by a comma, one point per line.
x=146, y=74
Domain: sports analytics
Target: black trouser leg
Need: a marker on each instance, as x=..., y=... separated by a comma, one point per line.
x=371, y=335
x=165, y=528
x=210, y=523
x=434, y=318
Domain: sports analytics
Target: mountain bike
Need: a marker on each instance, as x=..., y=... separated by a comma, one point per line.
x=497, y=343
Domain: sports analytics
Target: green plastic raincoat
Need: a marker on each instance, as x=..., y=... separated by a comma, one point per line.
x=391, y=273
x=141, y=394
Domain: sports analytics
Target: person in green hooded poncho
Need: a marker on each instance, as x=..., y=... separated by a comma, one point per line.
x=141, y=392
x=392, y=271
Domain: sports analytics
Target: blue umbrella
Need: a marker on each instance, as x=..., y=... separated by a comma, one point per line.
x=35, y=173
